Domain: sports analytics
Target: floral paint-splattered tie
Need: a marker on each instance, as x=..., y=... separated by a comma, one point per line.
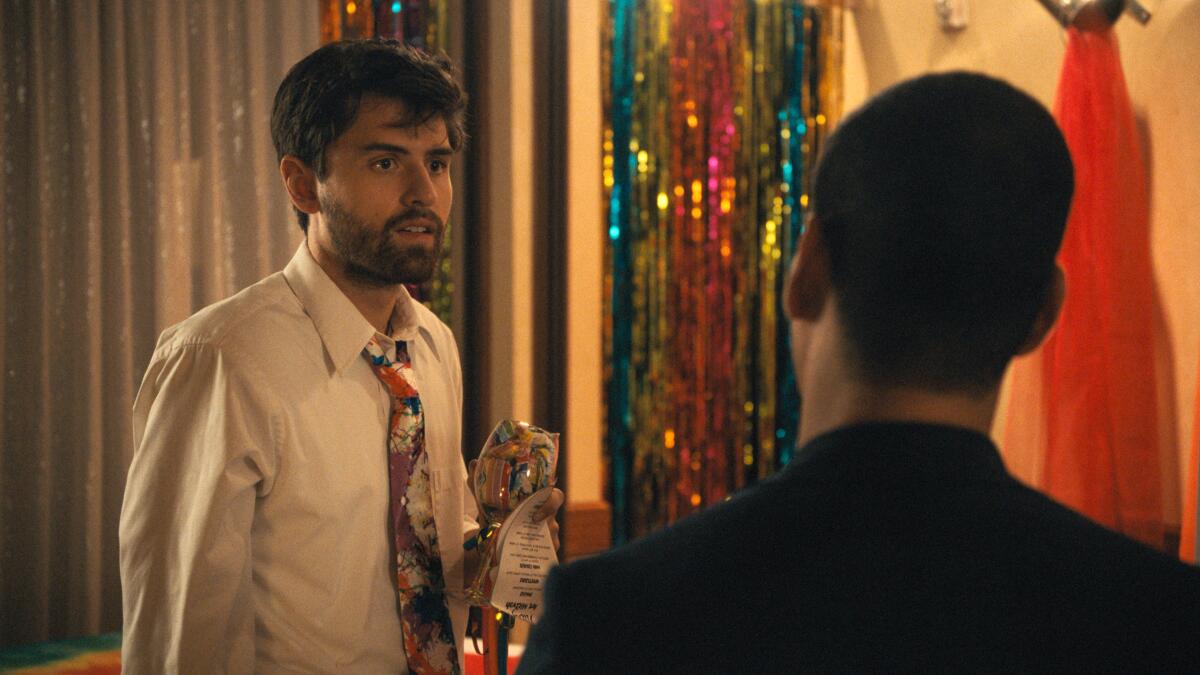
x=424, y=617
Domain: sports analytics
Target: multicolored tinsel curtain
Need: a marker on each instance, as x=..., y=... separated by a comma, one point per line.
x=715, y=113
x=421, y=23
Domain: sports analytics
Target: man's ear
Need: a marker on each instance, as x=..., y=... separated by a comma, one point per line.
x=808, y=277
x=301, y=183
x=1048, y=314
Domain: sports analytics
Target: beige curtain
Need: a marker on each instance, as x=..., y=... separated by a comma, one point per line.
x=138, y=185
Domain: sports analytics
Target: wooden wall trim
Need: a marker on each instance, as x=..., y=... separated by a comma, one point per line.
x=587, y=529
x=550, y=213
x=474, y=230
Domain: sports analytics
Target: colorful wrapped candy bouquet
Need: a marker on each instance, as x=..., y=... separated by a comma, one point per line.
x=518, y=460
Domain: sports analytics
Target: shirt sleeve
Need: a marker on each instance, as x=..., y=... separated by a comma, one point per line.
x=470, y=510
x=202, y=456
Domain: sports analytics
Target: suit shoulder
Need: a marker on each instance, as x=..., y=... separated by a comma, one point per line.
x=1087, y=538
x=695, y=549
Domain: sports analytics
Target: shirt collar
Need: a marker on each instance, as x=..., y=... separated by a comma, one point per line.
x=343, y=329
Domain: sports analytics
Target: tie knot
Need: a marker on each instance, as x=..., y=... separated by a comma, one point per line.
x=394, y=374
x=375, y=352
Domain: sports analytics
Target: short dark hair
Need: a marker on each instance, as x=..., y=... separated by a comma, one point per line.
x=319, y=97
x=942, y=205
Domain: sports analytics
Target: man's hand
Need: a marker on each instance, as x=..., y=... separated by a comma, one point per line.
x=549, y=510
x=546, y=511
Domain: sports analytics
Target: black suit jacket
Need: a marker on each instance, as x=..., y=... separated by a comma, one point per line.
x=897, y=547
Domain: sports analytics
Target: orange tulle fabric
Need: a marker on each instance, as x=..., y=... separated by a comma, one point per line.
x=1093, y=381
x=1187, y=538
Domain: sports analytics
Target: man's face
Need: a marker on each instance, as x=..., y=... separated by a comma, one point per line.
x=386, y=196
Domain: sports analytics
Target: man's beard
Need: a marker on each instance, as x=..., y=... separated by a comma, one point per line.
x=372, y=257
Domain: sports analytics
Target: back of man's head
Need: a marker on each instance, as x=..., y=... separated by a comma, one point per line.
x=942, y=205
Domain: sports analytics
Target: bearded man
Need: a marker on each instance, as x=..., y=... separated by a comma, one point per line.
x=297, y=499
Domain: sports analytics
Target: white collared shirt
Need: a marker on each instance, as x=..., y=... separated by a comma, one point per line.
x=254, y=532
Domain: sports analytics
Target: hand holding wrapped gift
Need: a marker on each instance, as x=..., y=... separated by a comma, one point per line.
x=518, y=461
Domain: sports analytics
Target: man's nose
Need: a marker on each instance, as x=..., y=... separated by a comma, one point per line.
x=420, y=189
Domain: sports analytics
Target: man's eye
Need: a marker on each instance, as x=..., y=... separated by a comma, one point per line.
x=386, y=164
x=437, y=166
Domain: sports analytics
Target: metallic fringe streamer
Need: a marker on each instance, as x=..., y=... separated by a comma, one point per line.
x=421, y=23
x=715, y=112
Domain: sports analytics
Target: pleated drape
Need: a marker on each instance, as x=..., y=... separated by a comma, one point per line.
x=138, y=185
x=1085, y=404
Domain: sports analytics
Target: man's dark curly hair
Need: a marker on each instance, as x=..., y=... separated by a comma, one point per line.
x=319, y=97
